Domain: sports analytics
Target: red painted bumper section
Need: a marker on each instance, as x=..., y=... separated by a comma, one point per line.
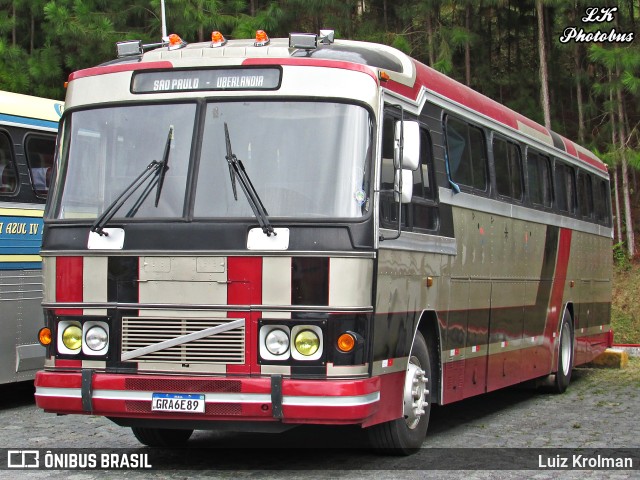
x=358, y=401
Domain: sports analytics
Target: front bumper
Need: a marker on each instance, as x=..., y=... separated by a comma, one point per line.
x=227, y=399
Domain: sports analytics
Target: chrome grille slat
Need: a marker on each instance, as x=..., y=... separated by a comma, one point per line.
x=224, y=348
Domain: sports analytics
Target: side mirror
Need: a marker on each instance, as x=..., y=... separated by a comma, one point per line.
x=405, y=195
x=407, y=135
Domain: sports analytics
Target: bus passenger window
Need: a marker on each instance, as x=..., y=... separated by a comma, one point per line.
x=8, y=175
x=602, y=203
x=466, y=154
x=39, y=151
x=508, y=167
x=585, y=195
x=539, y=173
x=565, y=188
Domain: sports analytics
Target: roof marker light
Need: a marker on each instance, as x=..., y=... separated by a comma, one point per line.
x=175, y=42
x=384, y=76
x=217, y=39
x=262, y=39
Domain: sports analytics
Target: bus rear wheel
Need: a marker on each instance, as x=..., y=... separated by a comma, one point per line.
x=404, y=436
x=161, y=437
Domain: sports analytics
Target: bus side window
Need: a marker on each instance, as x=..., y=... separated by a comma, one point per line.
x=585, y=195
x=8, y=175
x=388, y=208
x=422, y=213
x=508, y=167
x=39, y=150
x=565, y=188
x=539, y=179
x=466, y=153
x=602, y=203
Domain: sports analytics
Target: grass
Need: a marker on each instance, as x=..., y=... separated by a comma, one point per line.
x=596, y=378
x=625, y=308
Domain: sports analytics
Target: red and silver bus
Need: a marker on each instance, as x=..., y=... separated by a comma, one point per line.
x=258, y=234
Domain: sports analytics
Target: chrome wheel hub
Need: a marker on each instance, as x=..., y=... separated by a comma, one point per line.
x=415, y=394
x=565, y=348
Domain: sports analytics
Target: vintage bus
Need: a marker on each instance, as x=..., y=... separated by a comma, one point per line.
x=28, y=127
x=258, y=234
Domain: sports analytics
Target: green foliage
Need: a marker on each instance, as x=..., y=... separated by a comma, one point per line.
x=625, y=308
x=43, y=41
x=620, y=257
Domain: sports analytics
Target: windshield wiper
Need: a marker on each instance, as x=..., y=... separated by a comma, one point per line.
x=236, y=169
x=110, y=211
x=158, y=179
x=155, y=170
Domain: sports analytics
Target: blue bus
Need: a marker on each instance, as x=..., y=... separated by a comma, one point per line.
x=28, y=128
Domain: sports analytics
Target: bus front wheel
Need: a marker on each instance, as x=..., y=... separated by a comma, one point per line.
x=565, y=355
x=404, y=436
x=161, y=437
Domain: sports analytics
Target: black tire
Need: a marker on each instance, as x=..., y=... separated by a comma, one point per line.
x=404, y=436
x=161, y=437
x=565, y=355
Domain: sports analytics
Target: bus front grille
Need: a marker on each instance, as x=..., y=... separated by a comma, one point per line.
x=148, y=332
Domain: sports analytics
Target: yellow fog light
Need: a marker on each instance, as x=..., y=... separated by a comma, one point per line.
x=72, y=337
x=307, y=343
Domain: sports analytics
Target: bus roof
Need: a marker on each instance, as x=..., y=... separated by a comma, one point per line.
x=26, y=110
x=407, y=77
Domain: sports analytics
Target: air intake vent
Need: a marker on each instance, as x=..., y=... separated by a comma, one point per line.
x=222, y=348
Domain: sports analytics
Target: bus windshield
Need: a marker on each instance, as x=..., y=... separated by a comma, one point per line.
x=304, y=159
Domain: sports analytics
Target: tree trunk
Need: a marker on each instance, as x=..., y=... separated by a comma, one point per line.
x=628, y=219
x=32, y=34
x=14, y=38
x=386, y=21
x=467, y=46
x=432, y=57
x=544, y=72
x=614, y=170
x=578, y=74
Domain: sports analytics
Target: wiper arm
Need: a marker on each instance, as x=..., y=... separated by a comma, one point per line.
x=110, y=211
x=165, y=164
x=157, y=181
x=236, y=169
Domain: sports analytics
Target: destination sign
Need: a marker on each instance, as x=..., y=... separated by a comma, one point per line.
x=204, y=80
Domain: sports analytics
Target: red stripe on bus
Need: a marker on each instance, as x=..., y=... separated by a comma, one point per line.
x=592, y=161
x=125, y=67
x=463, y=95
x=68, y=364
x=244, y=287
x=570, y=147
x=312, y=62
x=559, y=279
x=69, y=283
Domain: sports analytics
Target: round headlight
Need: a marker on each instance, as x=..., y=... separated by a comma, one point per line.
x=72, y=337
x=307, y=342
x=277, y=342
x=96, y=338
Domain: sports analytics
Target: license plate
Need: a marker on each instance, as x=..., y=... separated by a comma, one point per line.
x=177, y=402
